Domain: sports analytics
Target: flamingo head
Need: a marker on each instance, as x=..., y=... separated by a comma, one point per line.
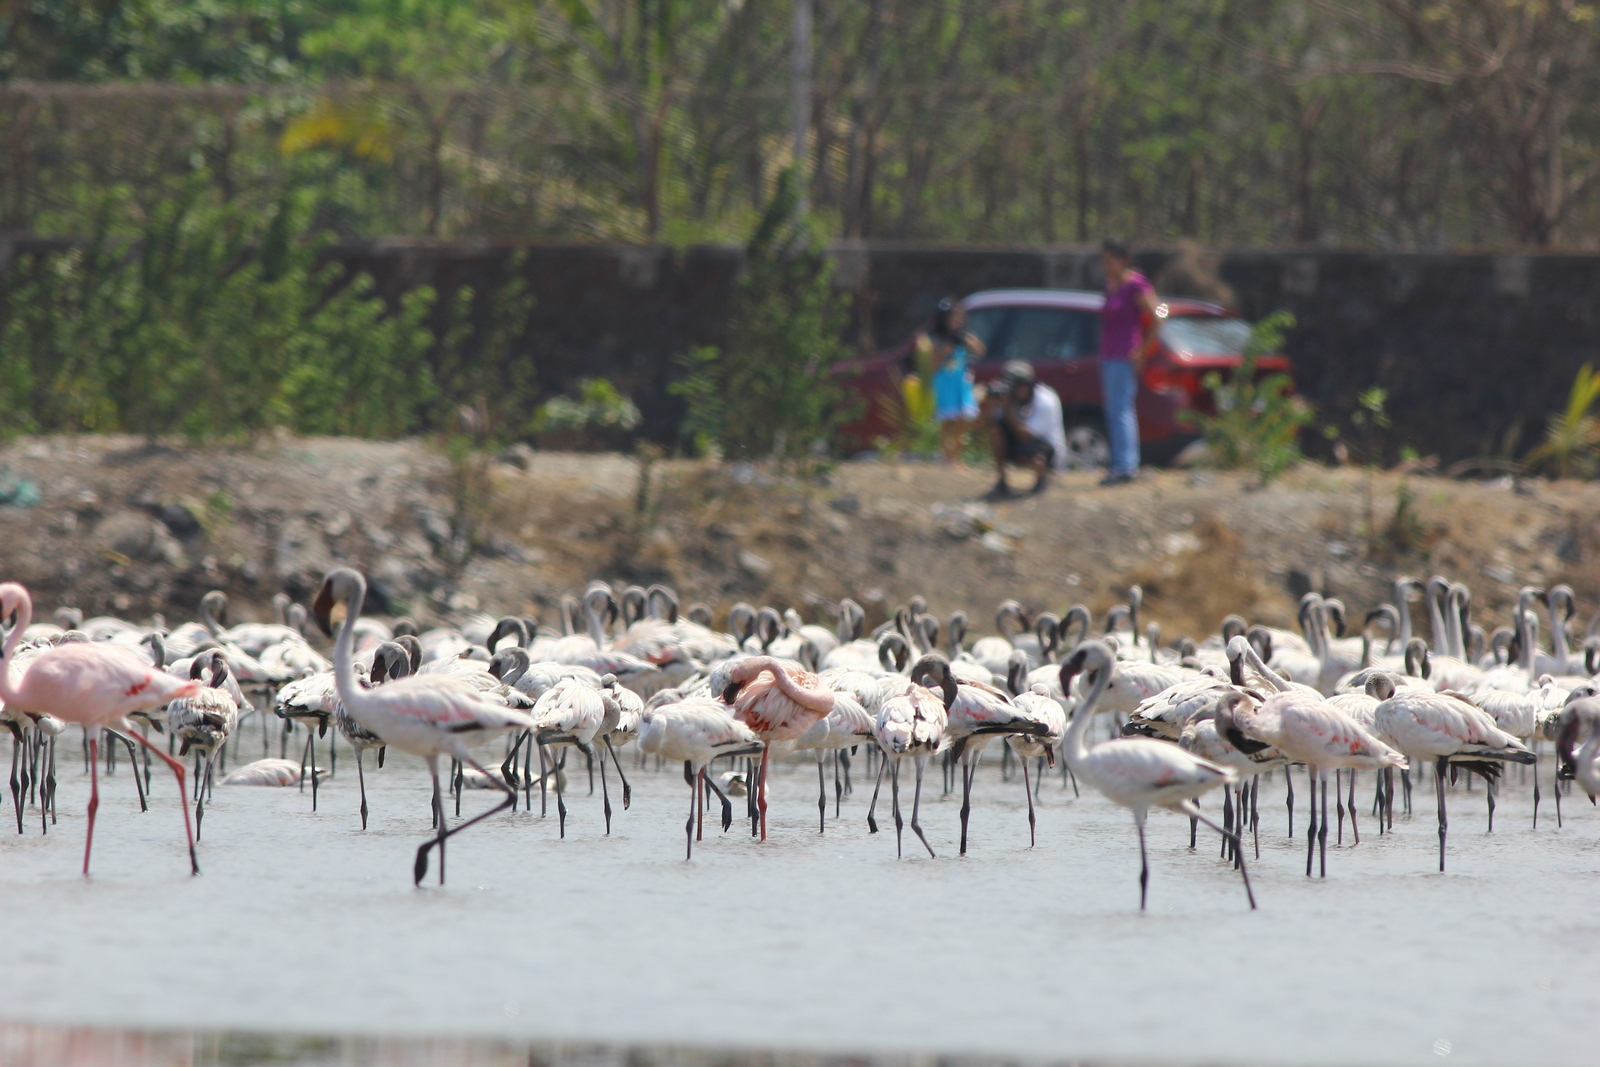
x=14, y=602
x=1089, y=658
x=1380, y=686
x=341, y=588
x=934, y=670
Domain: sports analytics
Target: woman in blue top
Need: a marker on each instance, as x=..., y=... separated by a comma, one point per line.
x=955, y=404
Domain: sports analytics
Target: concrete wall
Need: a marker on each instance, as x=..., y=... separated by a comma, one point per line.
x=1469, y=346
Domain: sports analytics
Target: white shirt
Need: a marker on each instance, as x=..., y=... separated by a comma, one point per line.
x=1042, y=417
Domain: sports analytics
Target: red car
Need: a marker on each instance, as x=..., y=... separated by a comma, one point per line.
x=1058, y=331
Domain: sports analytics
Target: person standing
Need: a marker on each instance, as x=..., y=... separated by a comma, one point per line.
x=948, y=347
x=1127, y=331
x=1025, y=426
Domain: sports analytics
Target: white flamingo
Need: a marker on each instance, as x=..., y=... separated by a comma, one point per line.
x=1137, y=773
x=1444, y=727
x=427, y=717
x=1306, y=729
x=695, y=731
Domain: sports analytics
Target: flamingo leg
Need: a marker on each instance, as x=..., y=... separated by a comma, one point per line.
x=1028, y=790
x=1144, y=860
x=1488, y=787
x=1338, y=801
x=1288, y=780
x=761, y=802
x=751, y=797
x=361, y=777
x=561, y=805
x=1255, y=813
x=872, y=824
x=916, y=804
x=822, y=795
x=544, y=782
x=94, y=799
x=133, y=758
x=844, y=765
x=1444, y=823
x=1322, y=827
x=727, y=805
x=422, y=852
x=1536, y=791
x=1227, y=818
x=627, y=790
x=688, y=826
x=894, y=793
x=1355, y=831
x=966, y=798
x=605, y=790
x=183, y=799
x=839, y=784
x=1555, y=787
x=1405, y=785
x=1311, y=828
x=1238, y=851
x=16, y=782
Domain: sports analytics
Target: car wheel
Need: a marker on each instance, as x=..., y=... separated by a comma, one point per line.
x=1087, y=446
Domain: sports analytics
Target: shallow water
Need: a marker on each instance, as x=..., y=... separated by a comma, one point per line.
x=302, y=923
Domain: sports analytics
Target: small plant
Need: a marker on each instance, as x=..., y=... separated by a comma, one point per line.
x=1258, y=421
x=1406, y=530
x=768, y=391
x=599, y=417
x=1572, y=437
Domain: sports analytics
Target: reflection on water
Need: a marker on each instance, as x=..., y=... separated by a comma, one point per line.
x=26, y=1045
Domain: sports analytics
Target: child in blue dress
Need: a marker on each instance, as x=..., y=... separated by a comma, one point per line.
x=955, y=402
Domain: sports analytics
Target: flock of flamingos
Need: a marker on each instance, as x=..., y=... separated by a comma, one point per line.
x=1182, y=721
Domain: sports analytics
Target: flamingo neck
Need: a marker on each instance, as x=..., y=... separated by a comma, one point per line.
x=8, y=692
x=344, y=669
x=1404, y=608
x=1441, y=639
x=1267, y=674
x=597, y=631
x=1073, y=747
x=809, y=699
x=1558, y=640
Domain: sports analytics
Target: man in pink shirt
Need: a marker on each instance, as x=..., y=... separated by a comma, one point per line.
x=1127, y=329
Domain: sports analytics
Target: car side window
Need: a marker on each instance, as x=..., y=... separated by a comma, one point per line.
x=988, y=324
x=1040, y=334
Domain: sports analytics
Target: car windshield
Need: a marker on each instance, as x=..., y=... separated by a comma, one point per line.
x=1035, y=333
x=1207, y=335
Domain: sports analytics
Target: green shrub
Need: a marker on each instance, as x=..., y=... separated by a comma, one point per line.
x=768, y=391
x=1258, y=422
x=214, y=324
x=598, y=417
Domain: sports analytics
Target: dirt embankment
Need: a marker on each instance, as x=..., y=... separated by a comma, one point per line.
x=131, y=528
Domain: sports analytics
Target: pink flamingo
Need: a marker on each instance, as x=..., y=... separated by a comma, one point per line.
x=779, y=702
x=96, y=685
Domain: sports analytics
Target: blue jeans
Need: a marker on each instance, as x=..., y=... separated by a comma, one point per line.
x=1119, y=385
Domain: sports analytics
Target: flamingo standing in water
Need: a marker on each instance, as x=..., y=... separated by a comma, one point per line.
x=1307, y=729
x=96, y=685
x=696, y=731
x=777, y=700
x=426, y=715
x=1138, y=773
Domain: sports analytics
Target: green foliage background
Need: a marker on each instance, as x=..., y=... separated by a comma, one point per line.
x=768, y=391
x=221, y=322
